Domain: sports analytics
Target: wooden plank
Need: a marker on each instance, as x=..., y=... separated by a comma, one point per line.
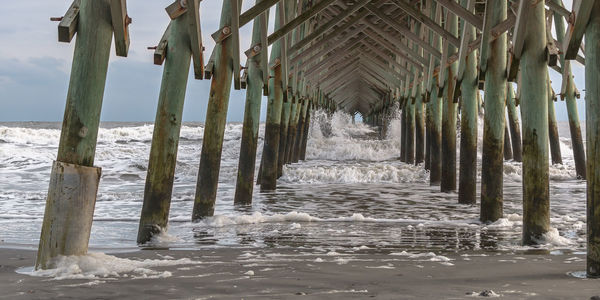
x=580, y=15
x=255, y=11
x=462, y=13
x=264, y=54
x=428, y=22
x=120, y=23
x=176, y=9
x=235, y=35
x=520, y=29
x=160, y=53
x=551, y=49
x=68, y=24
x=462, y=52
x=195, y=34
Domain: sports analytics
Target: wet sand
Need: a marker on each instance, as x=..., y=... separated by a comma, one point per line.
x=297, y=273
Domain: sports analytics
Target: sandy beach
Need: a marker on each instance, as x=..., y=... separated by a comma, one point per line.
x=263, y=273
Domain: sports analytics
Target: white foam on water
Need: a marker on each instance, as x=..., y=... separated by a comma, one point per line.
x=100, y=265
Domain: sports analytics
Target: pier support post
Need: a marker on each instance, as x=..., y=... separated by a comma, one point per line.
x=435, y=172
x=553, y=127
x=306, y=132
x=403, y=131
x=74, y=180
x=467, y=183
x=428, y=127
x=534, y=108
x=493, y=123
x=419, y=127
x=569, y=95
x=254, y=93
x=165, y=139
x=286, y=111
x=592, y=111
x=448, y=179
x=410, y=132
x=216, y=117
x=274, y=107
x=508, y=155
x=514, y=123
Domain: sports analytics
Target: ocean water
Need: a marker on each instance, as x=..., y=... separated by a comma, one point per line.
x=351, y=193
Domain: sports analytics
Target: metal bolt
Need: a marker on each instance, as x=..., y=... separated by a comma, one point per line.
x=226, y=30
x=152, y=48
x=257, y=48
x=128, y=20
x=56, y=19
x=183, y=3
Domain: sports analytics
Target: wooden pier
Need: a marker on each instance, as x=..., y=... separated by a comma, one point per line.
x=434, y=60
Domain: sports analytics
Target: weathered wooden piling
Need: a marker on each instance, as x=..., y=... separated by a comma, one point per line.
x=467, y=188
x=513, y=123
x=289, y=144
x=553, y=127
x=493, y=65
x=254, y=94
x=534, y=110
x=167, y=125
x=274, y=107
x=448, y=178
x=306, y=130
x=216, y=117
x=508, y=155
x=435, y=100
x=419, y=127
x=592, y=111
x=286, y=111
x=428, y=126
x=403, y=130
x=74, y=180
x=410, y=132
x=568, y=93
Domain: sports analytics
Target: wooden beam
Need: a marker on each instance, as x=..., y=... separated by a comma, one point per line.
x=337, y=19
x=462, y=13
x=423, y=19
x=580, y=15
x=120, y=23
x=401, y=28
x=68, y=24
x=289, y=26
x=255, y=11
x=196, y=38
x=160, y=53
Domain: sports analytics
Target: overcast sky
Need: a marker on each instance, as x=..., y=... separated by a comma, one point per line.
x=34, y=66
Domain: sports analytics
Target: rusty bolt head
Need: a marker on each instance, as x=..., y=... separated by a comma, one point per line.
x=128, y=20
x=257, y=48
x=56, y=19
x=183, y=3
x=226, y=30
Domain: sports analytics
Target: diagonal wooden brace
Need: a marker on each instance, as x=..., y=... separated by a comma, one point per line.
x=120, y=22
x=195, y=34
x=68, y=24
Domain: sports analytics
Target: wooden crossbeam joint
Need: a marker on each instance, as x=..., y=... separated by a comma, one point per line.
x=195, y=34
x=68, y=23
x=177, y=9
x=120, y=23
x=580, y=15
